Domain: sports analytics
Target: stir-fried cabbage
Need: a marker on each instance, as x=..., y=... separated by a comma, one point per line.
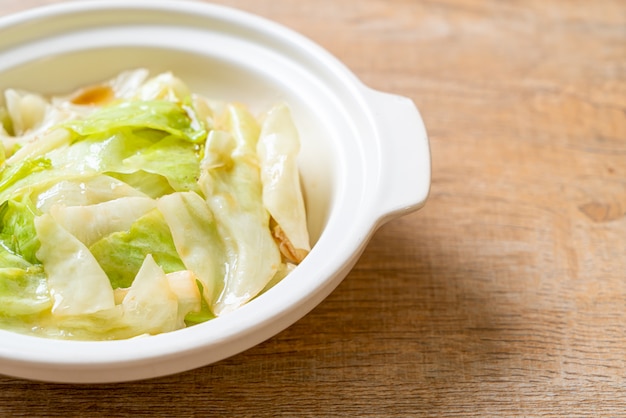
x=135, y=207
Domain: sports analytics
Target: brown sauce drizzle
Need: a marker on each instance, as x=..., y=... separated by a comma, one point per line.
x=93, y=95
x=288, y=251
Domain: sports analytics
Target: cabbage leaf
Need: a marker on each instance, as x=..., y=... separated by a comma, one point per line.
x=278, y=149
x=17, y=230
x=122, y=253
x=162, y=115
x=77, y=283
x=81, y=191
x=91, y=223
x=23, y=291
x=233, y=192
x=196, y=238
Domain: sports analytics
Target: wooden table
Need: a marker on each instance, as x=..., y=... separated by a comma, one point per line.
x=506, y=294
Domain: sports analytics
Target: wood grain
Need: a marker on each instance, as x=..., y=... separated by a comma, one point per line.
x=506, y=294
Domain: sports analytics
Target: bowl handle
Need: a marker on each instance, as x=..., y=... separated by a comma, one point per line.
x=405, y=155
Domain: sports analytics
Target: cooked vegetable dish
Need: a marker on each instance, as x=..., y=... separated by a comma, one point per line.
x=137, y=207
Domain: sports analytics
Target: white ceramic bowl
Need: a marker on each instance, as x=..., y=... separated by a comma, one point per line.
x=365, y=157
